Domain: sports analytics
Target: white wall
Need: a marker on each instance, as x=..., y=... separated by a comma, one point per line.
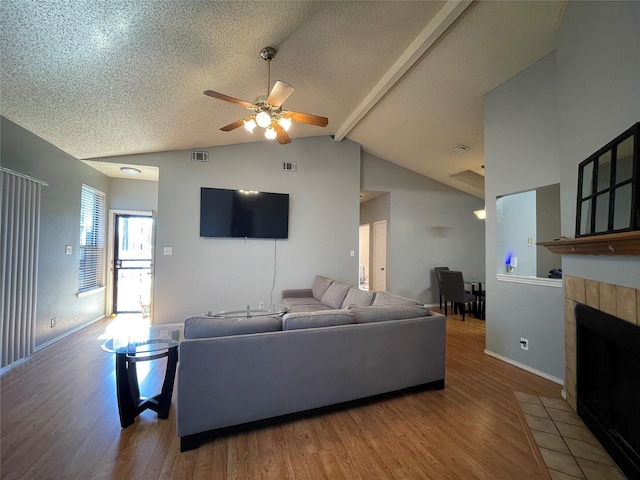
x=430, y=225
x=521, y=153
x=216, y=274
x=598, y=99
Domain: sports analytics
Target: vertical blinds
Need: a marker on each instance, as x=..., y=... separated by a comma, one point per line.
x=92, y=217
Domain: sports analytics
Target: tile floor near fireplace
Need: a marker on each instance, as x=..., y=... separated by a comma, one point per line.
x=561, y=440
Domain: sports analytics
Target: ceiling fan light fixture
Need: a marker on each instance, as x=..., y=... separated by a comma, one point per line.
x=250, y=124
x=285, y=123
x=263, y=119
x=270, y=133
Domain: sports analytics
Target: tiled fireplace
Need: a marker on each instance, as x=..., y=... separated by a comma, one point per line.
x=615, y=300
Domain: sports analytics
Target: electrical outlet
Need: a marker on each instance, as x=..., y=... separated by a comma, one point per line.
x=261, y=305
x=530, y=242
x=524, y=344
x=53, y=322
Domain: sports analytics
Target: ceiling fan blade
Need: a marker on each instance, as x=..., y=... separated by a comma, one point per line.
x=307, y=118
x=279, y=93
x=227, y=98
x=282, y=136
x=236, y=124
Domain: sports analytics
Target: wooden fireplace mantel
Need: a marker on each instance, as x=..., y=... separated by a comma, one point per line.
x=622, y=244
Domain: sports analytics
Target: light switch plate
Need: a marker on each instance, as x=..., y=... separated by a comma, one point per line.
x=68, y=250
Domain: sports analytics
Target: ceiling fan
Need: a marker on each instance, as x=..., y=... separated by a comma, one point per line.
x=267, y=109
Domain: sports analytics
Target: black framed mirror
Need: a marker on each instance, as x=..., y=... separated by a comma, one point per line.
x=608, y=187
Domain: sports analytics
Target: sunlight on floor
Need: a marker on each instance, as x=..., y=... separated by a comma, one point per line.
x=127, y=325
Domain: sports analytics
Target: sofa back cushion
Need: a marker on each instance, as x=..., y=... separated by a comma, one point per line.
x=326, y=318
x=382, y=313
x=320, y=286
x=386, y=298
x=358, y=297
x=334, y=296
x=207, y=327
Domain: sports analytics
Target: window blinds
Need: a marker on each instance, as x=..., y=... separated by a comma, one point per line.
x=92, y=244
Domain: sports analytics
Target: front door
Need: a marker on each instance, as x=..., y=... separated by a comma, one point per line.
x=132, y=264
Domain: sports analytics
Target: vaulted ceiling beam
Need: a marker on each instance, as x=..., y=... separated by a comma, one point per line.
x=434, y=29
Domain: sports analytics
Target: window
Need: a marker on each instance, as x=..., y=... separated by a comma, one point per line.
x=92, y=215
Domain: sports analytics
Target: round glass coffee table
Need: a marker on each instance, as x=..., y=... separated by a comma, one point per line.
x=129, y=351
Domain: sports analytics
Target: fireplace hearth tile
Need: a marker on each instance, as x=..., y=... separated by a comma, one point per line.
x=561, y=462
x=542, y=424
x=550, y=441
x=598, y=471
x=589, y=451
x=555, y=403
x=560, y=476
x=535, y=410
x=564, y=416
x=578, y=432
x=566, y=450
x=526, y=398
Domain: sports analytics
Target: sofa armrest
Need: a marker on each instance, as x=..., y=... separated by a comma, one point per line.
x=299, y=293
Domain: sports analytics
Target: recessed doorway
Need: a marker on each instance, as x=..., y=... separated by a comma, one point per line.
x=133, y=262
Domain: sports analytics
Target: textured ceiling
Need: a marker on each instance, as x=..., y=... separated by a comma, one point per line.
x=106, y=78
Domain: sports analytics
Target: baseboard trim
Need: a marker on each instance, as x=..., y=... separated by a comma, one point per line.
x=20, y=361
x=527, y=368
x=66, y=334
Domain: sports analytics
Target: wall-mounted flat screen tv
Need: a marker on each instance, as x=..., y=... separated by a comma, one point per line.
x=243, y=213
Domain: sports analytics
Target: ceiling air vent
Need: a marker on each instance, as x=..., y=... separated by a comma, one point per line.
x=460, y=149
x=289, y=166
x=199, y=156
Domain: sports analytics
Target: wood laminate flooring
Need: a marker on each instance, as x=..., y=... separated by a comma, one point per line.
x=60, y=421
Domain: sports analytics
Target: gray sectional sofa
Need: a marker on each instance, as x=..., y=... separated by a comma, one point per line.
x=335, y=345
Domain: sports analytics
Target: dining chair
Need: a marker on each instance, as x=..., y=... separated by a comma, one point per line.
x=453, y=291
x=438, y=270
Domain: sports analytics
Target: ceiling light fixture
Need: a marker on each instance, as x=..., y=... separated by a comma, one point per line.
x=270, y=133
x=263, y=119
x=481, y=214
x=130, y=170
x=285, y=123
x=250, y=124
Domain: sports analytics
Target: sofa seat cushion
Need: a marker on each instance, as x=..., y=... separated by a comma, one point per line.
x=320, y=286
x=382, y=313
x=334, y=296
x=208, y=327
x=300, y=301
x=326, y=318
x=358, y=297
x=386, y=298
x=308, y=308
